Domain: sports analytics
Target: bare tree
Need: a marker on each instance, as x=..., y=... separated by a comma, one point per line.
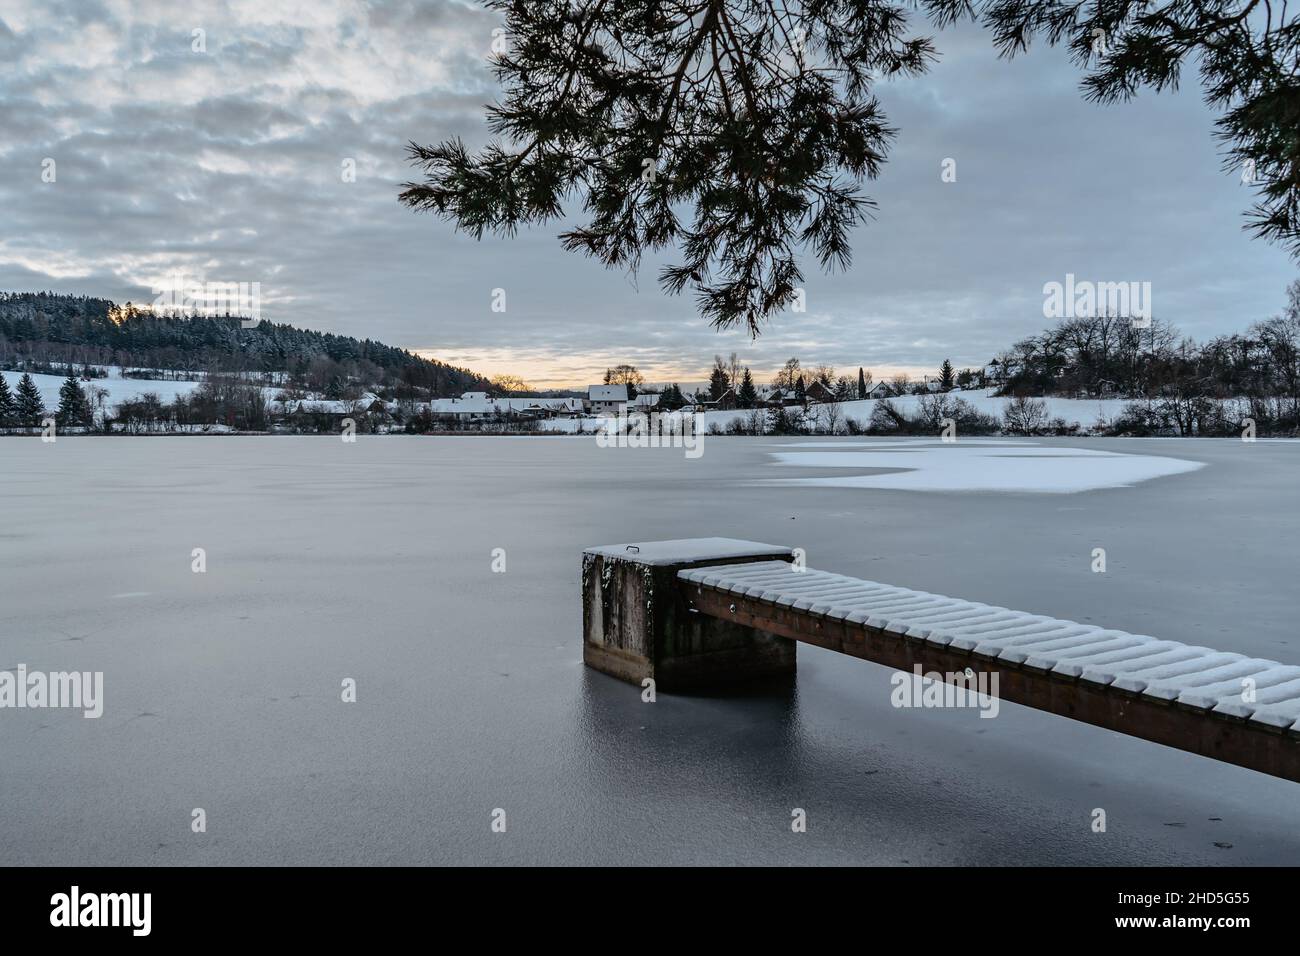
x=509, y=384
x=1025, y=416
x=623, y=375
x=830, y=417
x=734, y=369
x=788, y=375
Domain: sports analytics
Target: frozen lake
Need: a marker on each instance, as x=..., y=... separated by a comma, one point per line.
x=373, y=561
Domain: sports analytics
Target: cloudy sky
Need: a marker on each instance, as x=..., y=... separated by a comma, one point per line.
x=225, y=163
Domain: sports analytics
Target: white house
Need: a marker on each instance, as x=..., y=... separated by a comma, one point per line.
x=476, y=406
x=879, y=390
x=774, y=395
x=547, y=407
x=607, y=399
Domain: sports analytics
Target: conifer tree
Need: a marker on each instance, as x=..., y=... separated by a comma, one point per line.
x=718, y=380
x=747, y=397
x=672, y=398
x=946, y=376
x=7, y=405
x=30, y=408
x=740, y=132
x=74, y=408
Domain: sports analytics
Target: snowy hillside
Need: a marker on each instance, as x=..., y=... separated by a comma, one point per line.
x=118, y=389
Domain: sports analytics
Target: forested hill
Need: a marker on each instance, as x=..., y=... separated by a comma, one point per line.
x=49, y=328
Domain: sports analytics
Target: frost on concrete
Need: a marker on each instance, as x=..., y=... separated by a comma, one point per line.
x=688, y=550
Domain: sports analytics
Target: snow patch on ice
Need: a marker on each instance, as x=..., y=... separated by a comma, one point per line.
x=971, y=466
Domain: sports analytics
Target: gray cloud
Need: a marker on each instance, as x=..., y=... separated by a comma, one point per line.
x=226, y=164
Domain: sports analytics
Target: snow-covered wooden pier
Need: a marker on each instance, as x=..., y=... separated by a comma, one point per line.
x=696, y=613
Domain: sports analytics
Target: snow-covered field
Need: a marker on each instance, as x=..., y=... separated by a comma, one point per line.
x=1083, y=412
x=374, y=561
x=118, y=389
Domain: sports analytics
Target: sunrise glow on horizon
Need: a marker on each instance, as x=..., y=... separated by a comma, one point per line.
x=577, y=370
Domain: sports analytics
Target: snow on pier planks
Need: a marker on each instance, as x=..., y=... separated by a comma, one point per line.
x=1224, y=705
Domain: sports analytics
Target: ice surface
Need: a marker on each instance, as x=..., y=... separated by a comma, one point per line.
x=373, y=561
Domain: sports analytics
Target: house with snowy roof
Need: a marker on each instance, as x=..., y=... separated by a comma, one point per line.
x=725, y=402
x=607, y=399
x=817, y=392
x=477, y=406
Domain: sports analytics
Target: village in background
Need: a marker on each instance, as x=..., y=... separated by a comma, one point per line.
x=91, y=367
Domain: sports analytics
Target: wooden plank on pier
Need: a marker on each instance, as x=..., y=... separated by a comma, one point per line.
x=1222, y=705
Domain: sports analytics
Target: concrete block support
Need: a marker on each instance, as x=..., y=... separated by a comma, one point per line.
x=636, y=623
